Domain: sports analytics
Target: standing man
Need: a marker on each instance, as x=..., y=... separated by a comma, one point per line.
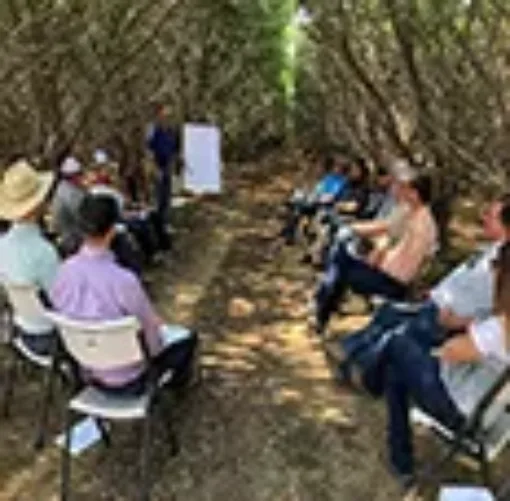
x=163, y=143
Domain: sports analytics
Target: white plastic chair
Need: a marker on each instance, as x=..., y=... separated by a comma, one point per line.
x=110, y=345
x=24, y=303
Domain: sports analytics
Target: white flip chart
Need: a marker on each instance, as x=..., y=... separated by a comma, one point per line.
x=202, y=156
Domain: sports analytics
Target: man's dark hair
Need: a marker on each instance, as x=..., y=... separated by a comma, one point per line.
x=504, y=214
x=328, y=163
x=382, y=171
x=423, y=185
x=98, y=214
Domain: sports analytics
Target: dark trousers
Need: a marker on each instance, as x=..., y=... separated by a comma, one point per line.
x=127, y=252
x=412, y=375
x=163, y=194
x=177, y=357
x=150, y=234
x=296, y=211
x=345, y=270
x=42, y=344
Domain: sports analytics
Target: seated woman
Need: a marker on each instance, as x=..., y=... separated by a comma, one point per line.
x=386, y=272
x=449, y=380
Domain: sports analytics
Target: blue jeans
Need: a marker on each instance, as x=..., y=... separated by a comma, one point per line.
x=422, y=325
x=412, y=375
x=345, y=270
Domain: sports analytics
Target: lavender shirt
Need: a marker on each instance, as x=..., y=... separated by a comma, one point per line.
x=92, y=286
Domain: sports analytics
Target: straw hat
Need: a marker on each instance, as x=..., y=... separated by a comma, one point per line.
x=22, y=190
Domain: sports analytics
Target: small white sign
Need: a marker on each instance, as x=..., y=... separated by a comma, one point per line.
x=202, y=157
x=465, y=494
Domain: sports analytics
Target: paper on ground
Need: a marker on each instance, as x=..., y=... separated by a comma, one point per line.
x=85, y=434
x=173, y=334
x=465, y=494
x=178, y=202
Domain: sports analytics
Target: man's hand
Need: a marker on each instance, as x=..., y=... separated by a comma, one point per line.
x=458, y=349
x=450, y=320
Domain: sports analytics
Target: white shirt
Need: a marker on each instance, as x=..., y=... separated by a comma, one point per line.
x=468, y=290
x=467, y=383
x=26, y=257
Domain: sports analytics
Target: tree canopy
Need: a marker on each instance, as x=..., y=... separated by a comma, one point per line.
x=426, y=78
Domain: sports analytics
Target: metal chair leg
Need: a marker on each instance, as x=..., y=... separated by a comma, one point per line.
x=144, y=456
x=105, y=435
x=66, y=458
x=485, y=467
x=9, y=383
x=46, y=403
x=166, y=415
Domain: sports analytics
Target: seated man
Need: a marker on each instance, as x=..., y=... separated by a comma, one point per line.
x=383, y=209
x=446, y=379
x=141, y=222
x=380, y=199
x=389, y=272
x=91, y=286
x=64, y=207
x=464, y=296
x=327, y=191
x=26, y=257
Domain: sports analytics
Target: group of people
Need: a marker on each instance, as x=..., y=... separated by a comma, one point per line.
x=84, y=268
x=436, y=350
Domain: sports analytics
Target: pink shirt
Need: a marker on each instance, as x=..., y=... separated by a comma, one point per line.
x=419, y=241
x=92, y=286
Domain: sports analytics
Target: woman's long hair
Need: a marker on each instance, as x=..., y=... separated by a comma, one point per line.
x=502, y=287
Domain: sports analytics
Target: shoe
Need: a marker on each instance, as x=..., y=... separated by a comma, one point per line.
x=306, y=259
x=405, y=480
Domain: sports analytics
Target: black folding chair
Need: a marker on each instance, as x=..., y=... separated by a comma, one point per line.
x=479, y=439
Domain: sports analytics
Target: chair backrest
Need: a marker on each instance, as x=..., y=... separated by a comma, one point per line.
x=25, y=302
x=100, y=345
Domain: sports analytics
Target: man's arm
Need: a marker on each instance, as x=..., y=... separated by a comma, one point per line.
x=459, y=349
x=450, y=320
x=371, y=228
x=47, y=268
x=137, y=303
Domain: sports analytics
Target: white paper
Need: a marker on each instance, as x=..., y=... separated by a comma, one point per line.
x=202, y=157
x=465, y=494
x=84, y=435
x=171, y=334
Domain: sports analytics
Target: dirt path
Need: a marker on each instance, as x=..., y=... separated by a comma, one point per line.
x=267, y=424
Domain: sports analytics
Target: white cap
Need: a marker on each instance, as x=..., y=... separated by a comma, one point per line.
x=402, y=171
x=70, y=166
x=100, y=157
